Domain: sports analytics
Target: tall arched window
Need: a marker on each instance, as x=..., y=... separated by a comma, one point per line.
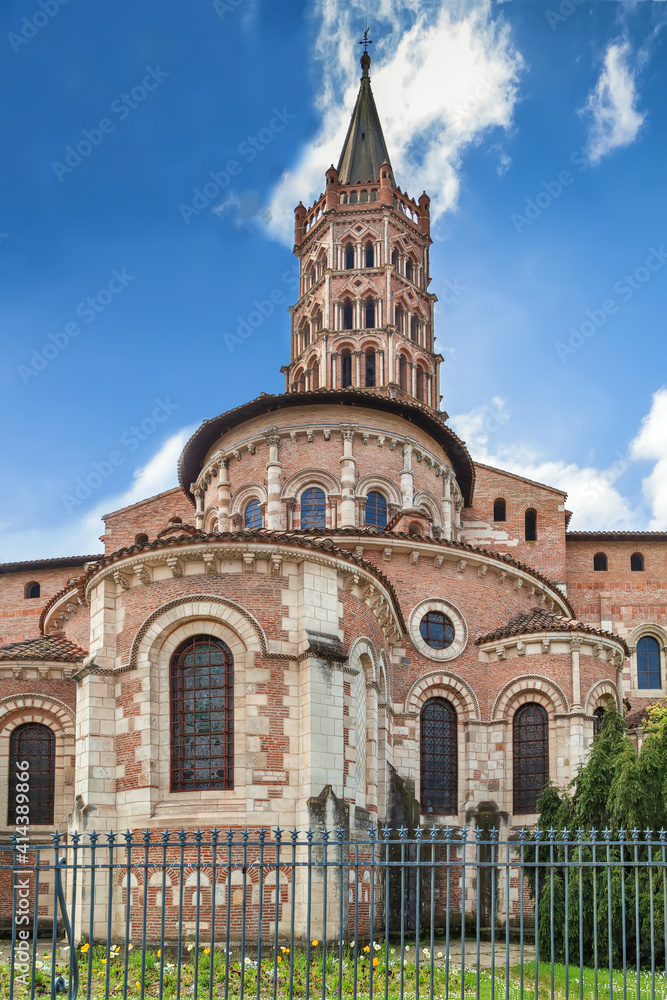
x=531, y=756
x=348, y=315
x=438, y=757
x=370, y=255
x=408, y=270
x=252, y=516
x=370, y=366
x=202, y=715
x=403, y=372
x=597, y=720
x=399, y=319
x=313, y=508
x=414, y=329
x=314, y=375
x=531, y=525
x=370, y=314
x=349, y=255
x=376, y=509
x=648, y=664
x=499, y=510
x=34, y=744
x=31, y=591
x=637, y=562
x=346, y=368
x=394, y=259
x=599, y=562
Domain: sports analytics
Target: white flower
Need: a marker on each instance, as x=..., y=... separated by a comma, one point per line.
x=376, y=946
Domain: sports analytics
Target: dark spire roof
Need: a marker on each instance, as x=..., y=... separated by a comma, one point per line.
x=364, y=150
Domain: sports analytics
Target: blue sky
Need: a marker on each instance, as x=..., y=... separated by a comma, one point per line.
x=129, y=262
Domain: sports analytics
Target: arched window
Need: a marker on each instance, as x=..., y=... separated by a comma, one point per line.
x=648, y=664
x=531, y=525
x=353, y=197
x=370, y=366
x=499, y=510
x=398, y=319
x=313, y=508
x=349, y=255
x=370, y=255
x=376, y=509
x=370, y=314
x=531, y=756
x=252, y=515
x=348, y=315
x=140, y=539
x=637, y=562
x=408, y=269
x=315, y=376
x=438, y=757
x=414, y=329
x=343, y=199
x=374, y=194
x=202, y=715
x=300, y=381
x=394, y=259
x=35, y=745
x=599, y=562
x=346, y=368
x=597, y=720
x=31, y=591
x=363, y=195
x=403, y=372
x=421, y=384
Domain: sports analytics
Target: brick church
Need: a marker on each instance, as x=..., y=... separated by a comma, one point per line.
x=338, y=616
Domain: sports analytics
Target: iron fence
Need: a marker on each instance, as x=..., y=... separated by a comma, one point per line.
x=438, y=913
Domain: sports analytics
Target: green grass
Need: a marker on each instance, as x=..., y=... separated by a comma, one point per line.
x=293, y=976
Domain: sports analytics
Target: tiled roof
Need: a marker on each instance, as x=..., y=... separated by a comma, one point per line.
x=539, y=620
x=616, y=536
x=636, y=719
x=54, y=647
x=60, y=563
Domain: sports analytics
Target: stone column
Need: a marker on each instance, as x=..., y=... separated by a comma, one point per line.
x=407, y=487
x=458, y=504
x=274, y=482
x=447, y=503
x=199, y=516
x=357, y=366
x=223, y=495
x=362, y=510
x=347, y=477
x=334, y=369
x=290, y=504
x=575, y=646
x=327, y=301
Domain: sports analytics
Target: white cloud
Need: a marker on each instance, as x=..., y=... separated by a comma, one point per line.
x=79, y=533
x=611, y=105
x=593, y=497
x=443, y=76
x=651, y=445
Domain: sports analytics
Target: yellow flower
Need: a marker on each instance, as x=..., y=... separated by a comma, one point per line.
x=129, y=947
x=159, y=952
x=138, y=986
x=279, y=959
x=315, y=943
x=367, y=948
x=84, y=948
x=104, y=961
x=207, y=951
x=376, y=961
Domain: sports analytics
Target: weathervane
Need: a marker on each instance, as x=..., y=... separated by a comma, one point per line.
x=366, y=41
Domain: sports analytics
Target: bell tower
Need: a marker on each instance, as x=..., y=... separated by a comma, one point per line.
x=364, y=316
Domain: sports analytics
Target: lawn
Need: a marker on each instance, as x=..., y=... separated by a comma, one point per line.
x=116, y=974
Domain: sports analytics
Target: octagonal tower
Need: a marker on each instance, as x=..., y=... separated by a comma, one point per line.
x=364, y=317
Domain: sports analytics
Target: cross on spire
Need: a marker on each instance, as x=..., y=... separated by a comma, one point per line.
x=366, y=41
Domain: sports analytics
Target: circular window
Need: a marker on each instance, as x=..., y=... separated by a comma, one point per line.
x=436, y=630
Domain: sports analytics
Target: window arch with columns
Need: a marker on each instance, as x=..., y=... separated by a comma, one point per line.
x=43, y=728
x=162, y=634
x=648, y=665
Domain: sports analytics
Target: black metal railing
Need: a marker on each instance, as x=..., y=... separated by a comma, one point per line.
x=437, y=913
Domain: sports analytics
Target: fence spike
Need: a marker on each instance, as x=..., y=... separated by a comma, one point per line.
x=434, y=832
x=494, y=833
x=606, y=833
x=278, y=833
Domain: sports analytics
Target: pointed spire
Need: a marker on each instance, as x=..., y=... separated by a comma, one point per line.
x=364, y=150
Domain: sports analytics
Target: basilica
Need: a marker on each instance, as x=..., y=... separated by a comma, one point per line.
x=337, y=617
